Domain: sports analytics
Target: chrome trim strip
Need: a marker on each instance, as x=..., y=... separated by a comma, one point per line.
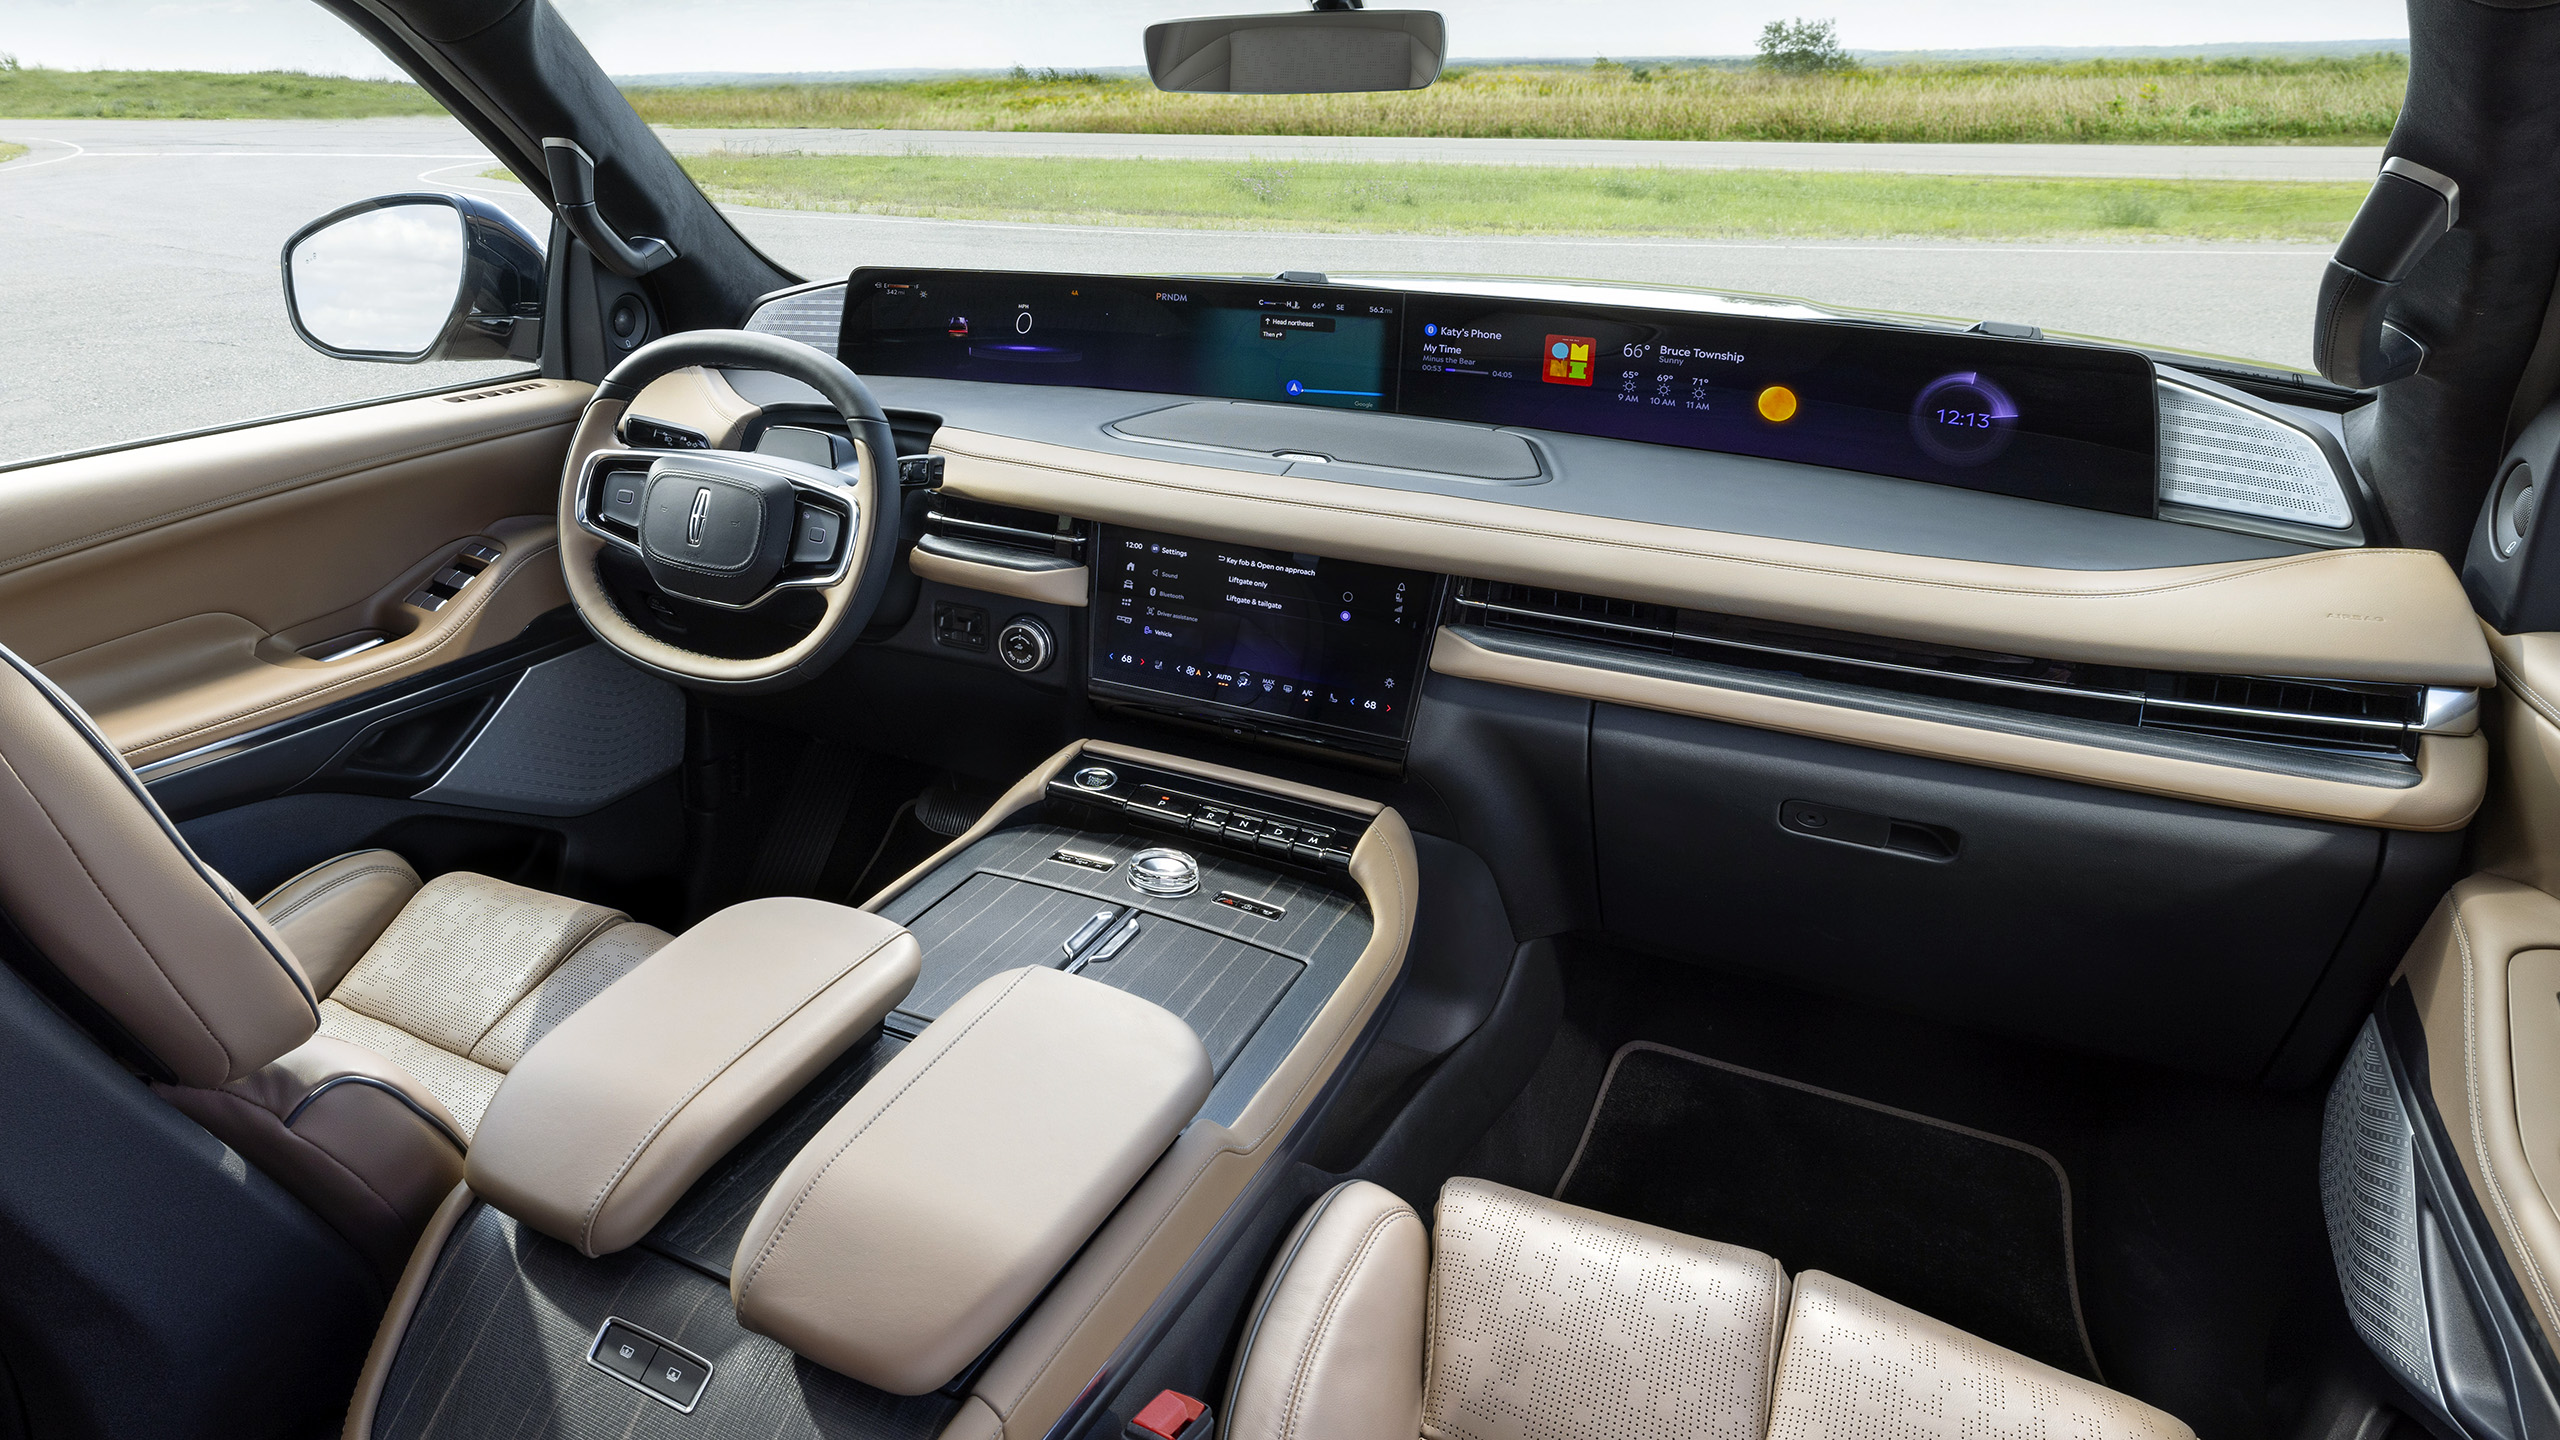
x=2067, y=691
x=2447, y=711
x=1048, y=539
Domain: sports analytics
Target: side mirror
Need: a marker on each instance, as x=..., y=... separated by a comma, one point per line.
x=1325, y=51
x=405, y=278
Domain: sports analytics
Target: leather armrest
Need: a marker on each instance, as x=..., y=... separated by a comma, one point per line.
x=606, y=1121
x=948, y=1193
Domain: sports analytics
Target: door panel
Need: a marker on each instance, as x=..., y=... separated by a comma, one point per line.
x=173, y=589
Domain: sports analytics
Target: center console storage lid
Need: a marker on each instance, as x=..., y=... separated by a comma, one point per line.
x=605, y=1123
x=948, y=1193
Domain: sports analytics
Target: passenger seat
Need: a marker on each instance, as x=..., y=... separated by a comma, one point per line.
x=1520, y=1318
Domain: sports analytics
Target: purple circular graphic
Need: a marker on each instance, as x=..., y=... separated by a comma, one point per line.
x=1963, y=419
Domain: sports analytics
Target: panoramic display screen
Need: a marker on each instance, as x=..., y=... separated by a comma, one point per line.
x=2067, y=423
x=2073, y=424
x=1287, y=344
x=1329, y=644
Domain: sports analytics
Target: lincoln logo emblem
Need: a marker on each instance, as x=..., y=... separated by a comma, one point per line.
x=700, y=517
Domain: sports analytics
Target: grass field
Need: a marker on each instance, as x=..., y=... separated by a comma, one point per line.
x=2172, y=102
x=203, y=95
x=1500, y=199
x=2336, y=101
x=9, y=152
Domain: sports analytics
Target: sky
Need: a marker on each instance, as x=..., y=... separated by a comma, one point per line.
x=635, y=37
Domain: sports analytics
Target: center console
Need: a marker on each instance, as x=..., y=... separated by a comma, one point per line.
x=1054, y=1066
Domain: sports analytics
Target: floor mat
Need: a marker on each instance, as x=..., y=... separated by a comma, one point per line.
x=1968, y=1227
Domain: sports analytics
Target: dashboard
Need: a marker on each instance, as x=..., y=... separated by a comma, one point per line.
x=1284, y=510
x=2072, y=424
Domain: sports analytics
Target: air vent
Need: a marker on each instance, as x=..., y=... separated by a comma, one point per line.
x=812, y=317
x=2217, y=455
x=1004, y=527
x=493, y=394
x=2333, y=716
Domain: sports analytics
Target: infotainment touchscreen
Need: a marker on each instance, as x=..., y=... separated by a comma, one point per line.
x=1322, y=645
x=2072, y=424
x=1286, y=344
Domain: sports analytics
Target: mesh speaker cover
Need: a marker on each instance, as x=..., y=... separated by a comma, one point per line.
x=2369, y=1189
x=812, y=317
x=2219, y=456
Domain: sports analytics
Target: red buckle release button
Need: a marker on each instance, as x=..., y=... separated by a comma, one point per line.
x=1168, y=1415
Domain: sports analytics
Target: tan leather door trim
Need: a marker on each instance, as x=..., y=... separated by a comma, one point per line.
x=2386, y=615
x=167, y=587
x=2453, y=771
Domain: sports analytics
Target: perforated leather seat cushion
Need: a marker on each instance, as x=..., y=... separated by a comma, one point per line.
x=1545, y=1321
x=471, y=973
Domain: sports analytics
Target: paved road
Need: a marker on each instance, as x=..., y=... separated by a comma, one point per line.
x=2118, y=162
x=138, y=269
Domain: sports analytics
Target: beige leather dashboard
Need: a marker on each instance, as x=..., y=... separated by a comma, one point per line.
x=2386, y=615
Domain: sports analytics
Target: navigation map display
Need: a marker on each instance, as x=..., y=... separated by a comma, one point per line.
x=2073, y=424
x=1286, y=344
x=1325, y=644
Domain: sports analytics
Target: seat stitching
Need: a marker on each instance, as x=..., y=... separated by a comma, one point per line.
x=331, y=886
x=1325, y=1316
x=112, y=908
x=454, y=631
x=586, y=1228
x=2479, y=1128
x=1164, y=1217
x=775, y=1239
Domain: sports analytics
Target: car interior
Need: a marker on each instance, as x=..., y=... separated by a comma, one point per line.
x=960, y=853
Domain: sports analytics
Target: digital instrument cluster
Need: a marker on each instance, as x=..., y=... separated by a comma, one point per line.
x=2072, y=424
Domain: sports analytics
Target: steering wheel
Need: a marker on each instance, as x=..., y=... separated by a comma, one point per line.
x=728, y=530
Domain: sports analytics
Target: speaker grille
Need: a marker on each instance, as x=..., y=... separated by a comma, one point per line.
x=2216, y=455
x=812, y=317
x=2369, y=1190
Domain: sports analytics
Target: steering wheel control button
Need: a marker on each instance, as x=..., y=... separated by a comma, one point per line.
x=620, y=502
x=1169, y=874
x=626, y=1352
x=1096, y=777
x=1025, y=645
x=814, y=541
x=667, y=1373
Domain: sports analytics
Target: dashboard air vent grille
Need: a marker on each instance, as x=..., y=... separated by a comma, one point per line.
x=2216, y=455
x=2335, y=716
x=1030, y=532
x=812, y=317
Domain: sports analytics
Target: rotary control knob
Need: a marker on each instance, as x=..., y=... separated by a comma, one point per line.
x=1024, y=645
x=1169, y=873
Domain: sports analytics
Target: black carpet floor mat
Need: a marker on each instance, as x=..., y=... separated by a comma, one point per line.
x=1965, y=1226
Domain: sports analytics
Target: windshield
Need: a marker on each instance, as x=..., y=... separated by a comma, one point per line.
x=2172, y=175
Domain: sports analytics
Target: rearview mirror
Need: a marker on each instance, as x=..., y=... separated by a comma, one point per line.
x=405, y=278
x=1321, y=52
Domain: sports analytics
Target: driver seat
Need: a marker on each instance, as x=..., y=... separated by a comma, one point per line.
x=344, y=1034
